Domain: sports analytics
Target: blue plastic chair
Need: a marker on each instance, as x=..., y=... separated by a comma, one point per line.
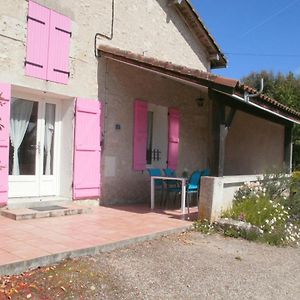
x=172, y=185
x=169, y=172
x=205, y=172
x=193, y=187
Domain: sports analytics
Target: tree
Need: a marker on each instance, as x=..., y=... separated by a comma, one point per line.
x=285, y=89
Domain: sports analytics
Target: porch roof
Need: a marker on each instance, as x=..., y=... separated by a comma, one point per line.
x=230, y=87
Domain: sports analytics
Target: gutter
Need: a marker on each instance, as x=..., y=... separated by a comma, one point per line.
x=241, y=99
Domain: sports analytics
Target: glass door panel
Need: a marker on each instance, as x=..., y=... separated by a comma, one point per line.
x=23, y=137
x=49, y=136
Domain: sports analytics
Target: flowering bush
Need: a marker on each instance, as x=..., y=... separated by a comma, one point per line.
x=277, y=184
x=250, y=190
x=264, y=204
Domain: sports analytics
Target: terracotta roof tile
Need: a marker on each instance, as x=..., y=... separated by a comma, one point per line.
x=265, y=98
x=180, y=69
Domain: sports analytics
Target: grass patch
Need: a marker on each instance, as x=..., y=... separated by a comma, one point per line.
x=204, y=227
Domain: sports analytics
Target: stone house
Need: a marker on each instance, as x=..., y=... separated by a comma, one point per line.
x=82, y=82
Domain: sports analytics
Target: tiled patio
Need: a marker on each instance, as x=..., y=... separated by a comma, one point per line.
x=30, y=243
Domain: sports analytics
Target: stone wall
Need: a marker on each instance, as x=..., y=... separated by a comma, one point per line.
x=123, y=85
x=146, y=27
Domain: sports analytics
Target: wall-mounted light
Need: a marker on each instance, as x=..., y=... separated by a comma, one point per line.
x=200, y=101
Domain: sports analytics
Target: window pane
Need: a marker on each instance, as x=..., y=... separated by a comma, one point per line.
x=49, y=139
x=23, y=138
x=149, y=137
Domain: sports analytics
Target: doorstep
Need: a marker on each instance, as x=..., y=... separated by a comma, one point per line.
x=44, y=211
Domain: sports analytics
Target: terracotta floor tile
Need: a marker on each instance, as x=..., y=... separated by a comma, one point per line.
x=27, y=239
x=29, y=252
x=7, y=258
x=54, y=248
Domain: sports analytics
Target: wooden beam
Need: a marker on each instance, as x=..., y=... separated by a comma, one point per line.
x=219, y=133
x=239, y=105
x=222, y=140
x=230, y=117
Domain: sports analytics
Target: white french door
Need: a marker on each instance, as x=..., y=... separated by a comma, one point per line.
x=34, y=144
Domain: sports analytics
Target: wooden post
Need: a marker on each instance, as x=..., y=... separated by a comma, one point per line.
x=222, y=139
x=219, y=137
x=220, y=127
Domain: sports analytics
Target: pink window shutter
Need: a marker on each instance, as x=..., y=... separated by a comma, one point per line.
x=173, y=143
x=37, y=41
x=87, y=151
x=140, y=135
x=5, y=94
x=59, y=48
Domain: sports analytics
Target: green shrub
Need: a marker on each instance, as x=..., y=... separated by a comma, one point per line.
x=265, y=204
x=231, y=232
x=276, y=184
x=293, y=201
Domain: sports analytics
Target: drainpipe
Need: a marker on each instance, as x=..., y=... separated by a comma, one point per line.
x=247, y=96
x=104, y=107
x=108, y=37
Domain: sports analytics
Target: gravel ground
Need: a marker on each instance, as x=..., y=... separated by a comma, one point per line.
x=186, y=266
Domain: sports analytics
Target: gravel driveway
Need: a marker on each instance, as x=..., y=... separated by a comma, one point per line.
x=186, y=266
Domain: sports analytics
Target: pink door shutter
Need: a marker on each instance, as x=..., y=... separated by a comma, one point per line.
x=4, y=140
x=87, y=152
x=173, y=146
x=140, y=135
x=37, y=41
x=59, y=48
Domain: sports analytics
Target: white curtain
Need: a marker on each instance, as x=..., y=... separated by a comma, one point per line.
x=49, y=132
x=19, y=120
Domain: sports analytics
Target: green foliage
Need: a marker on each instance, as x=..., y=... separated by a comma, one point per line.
x=267, y=205
x=232, y=232
x=204, y=226
x=293, y=201
x=283, y=88
x=276, y=184
x=259, y=211
x=236, y=233
x=249, y=235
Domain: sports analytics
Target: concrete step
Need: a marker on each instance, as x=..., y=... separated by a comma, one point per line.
x=15, y=203
x=44, y=211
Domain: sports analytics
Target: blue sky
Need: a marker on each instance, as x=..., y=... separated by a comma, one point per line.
x=269, y=30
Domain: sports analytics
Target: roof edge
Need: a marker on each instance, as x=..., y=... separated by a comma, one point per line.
x=209, y=80
x=196, y=24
